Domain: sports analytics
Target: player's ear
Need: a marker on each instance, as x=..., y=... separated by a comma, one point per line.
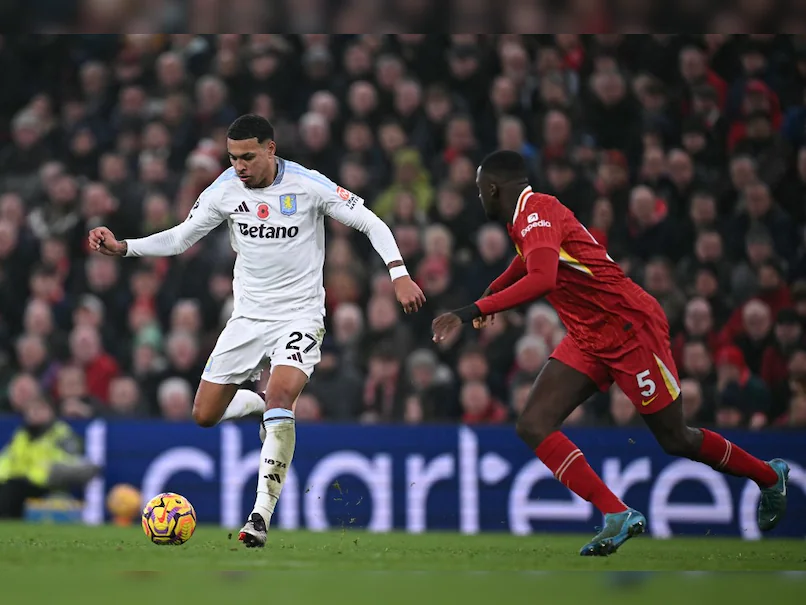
x=271, y=148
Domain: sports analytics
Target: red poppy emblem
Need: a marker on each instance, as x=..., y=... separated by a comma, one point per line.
x=343, y=193
x=263, y=211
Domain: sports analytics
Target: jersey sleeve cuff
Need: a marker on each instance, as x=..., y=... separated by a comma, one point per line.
x=468, y=313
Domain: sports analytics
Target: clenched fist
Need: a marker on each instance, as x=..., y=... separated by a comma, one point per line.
x=103, y=240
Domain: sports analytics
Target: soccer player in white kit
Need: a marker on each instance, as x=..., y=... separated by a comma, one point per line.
x=275, y=212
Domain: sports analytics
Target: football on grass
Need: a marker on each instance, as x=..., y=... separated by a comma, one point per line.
x=169, y=519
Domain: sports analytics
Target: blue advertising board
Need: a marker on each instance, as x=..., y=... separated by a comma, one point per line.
x=424, y=478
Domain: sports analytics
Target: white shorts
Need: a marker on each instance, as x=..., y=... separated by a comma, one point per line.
x=247, y=346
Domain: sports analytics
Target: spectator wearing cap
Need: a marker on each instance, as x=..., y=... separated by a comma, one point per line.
x=335, y=385
x=743, y=399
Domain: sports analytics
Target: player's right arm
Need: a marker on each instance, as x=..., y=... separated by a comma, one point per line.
x=514, y=272
x=541, y=237
x=203, y=218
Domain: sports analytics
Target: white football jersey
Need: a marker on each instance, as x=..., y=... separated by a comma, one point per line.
x=278, y=233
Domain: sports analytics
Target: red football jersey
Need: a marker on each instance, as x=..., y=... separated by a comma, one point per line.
x=596, y=301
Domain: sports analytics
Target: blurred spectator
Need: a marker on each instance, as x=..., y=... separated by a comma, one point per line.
x=622, y=410
x=175, y=399
x=743, y=399
x=307, y=408
x=336, y=386
x=479, y=406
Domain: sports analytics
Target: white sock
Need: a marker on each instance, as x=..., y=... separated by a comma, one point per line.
x=244, y=403
x=275, y=458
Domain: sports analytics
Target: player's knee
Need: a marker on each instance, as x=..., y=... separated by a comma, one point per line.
x=280, y=398
x=682, y=444
x=531, y=431
x=203, y=415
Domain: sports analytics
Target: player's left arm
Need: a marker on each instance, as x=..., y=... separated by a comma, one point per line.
x=349, y=209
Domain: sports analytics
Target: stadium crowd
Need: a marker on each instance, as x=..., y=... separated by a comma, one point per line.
x=684, y=155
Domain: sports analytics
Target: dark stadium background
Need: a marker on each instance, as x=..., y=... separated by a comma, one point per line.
x=683, y=154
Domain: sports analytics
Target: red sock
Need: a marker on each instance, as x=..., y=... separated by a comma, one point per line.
x=572, y=470
x=720, y=454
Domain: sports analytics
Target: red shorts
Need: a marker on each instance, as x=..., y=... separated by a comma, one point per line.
x=642, y=366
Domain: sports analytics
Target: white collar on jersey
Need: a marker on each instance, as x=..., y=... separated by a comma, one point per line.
x=521, y=202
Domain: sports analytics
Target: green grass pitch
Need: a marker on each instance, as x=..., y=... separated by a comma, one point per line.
x=118, y=566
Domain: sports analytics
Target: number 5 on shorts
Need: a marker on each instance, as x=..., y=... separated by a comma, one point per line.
x=646, y=383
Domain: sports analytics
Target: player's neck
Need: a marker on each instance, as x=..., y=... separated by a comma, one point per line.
x=270, y=176
x=509, y=201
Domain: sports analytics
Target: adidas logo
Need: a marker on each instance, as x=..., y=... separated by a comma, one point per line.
x=274, y=477
x=242, y=208
x=296, y=357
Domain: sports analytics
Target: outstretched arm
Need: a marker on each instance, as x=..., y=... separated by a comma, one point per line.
x=202, y=219
x=540, y=279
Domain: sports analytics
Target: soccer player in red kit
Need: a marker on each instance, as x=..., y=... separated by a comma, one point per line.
x=617, y=333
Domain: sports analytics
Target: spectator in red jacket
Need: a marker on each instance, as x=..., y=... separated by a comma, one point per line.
x=99, y=367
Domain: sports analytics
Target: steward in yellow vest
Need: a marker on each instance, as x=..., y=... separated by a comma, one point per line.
x=43, y=454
